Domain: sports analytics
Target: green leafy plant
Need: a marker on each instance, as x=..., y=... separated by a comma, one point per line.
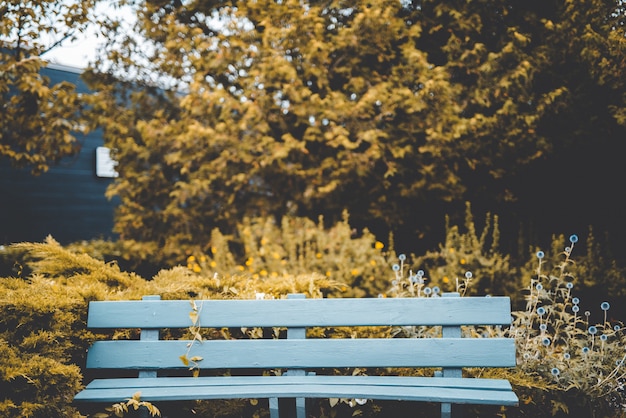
x=560, y=348
x=466, y=249
x=565, y=360
x=122, y=408
x=263, y=249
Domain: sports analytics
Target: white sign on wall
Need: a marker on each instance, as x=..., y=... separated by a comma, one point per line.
x=105, y=165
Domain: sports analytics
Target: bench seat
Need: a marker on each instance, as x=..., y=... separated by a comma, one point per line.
x=294, y=366
x=443, y=390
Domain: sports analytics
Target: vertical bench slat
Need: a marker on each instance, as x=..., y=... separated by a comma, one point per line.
x=449, y=331
x=297, y=333
x=149, y=335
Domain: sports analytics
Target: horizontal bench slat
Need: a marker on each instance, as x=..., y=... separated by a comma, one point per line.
x=302, y=312
x=158, y=382
x=305, y=389
x=307, y=353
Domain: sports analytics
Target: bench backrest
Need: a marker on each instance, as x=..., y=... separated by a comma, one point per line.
x=450, y=352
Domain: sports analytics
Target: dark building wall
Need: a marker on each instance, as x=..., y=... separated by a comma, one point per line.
x=66, y=202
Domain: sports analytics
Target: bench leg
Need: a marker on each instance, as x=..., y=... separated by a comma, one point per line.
x=446, y=410
x=300, y=408
x=274, y=408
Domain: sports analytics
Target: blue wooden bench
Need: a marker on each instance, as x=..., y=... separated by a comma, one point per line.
x=302, y=360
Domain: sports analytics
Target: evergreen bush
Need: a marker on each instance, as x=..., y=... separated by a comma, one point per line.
x=43, y=309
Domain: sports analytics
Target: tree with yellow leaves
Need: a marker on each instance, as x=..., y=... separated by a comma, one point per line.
x=388, y=109
x=38, y=120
